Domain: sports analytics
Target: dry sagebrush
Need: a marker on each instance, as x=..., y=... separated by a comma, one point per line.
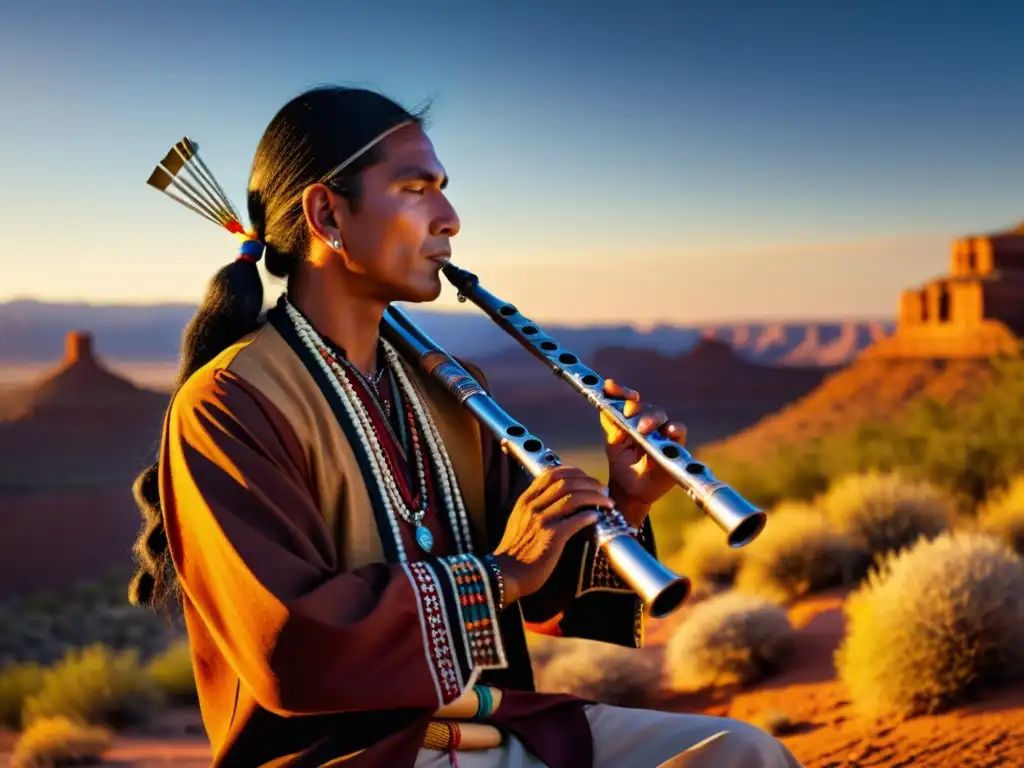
x=628, y=677
x=1002, y=515
x=706, y=557
x=95, y=685
x=884, y=512
x=729, y=638
x=59, y=741
x=18, y=682
x=934, y=623
x=42, y=629
x=173, y=674
x=798, y=553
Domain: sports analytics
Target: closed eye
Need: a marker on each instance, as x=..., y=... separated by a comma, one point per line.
x=417, y=180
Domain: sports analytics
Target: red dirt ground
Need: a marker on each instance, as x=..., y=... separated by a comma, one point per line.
x=828, y=734
x=825, y=734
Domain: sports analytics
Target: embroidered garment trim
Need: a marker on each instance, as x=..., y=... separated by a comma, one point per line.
x=459, y=621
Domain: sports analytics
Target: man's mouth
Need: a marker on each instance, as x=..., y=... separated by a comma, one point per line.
x=441, y=258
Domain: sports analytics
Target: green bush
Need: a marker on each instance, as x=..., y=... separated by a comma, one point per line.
x=798, y=553
x=884, y=512
x=729, y=638
x=965, y=449
x=59, y=741
x=706, y=557
x=173, y=674
x=1002, y=515
x=934, y=623
x=97, y=686
x=39, y=629
x=18, y=682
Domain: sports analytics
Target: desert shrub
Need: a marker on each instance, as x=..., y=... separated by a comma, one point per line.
x=95, y=685
x=798, y=553
x=883, y=512
x=18, y=682
x=774, y=478
x=1002, y=515
x=38, y=629
x=60, y=741
x=705, y=556
x=932, y=624
x=173, y=673
x=601, y=672
x=729, y=638
x=966, y=446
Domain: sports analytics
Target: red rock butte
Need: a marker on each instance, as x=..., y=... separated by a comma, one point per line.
x=80, y=388
x=974, y=311
x=72, y=442
x=78, y=347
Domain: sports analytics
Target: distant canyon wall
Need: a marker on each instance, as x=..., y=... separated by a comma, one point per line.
x=34, y=332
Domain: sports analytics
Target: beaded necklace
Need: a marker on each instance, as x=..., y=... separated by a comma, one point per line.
x=383, y=471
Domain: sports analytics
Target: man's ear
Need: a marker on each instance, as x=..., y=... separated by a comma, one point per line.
x=320, y=207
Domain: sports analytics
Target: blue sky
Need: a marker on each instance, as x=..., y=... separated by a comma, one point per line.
x=671, y=162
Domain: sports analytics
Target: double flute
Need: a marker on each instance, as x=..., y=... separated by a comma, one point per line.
x=660, y=590
x=741, y=520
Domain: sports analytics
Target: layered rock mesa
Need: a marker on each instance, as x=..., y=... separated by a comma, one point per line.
x=975, y=311
x=949, y=331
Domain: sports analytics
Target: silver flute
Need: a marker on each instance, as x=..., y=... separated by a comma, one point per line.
x=741, y=520
x=660, y=590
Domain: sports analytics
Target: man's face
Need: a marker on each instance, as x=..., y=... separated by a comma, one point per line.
x=399, y=237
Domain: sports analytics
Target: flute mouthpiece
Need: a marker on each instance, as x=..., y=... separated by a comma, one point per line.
x=460, y=278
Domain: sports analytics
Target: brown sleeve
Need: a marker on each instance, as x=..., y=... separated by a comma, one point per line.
x=256, y=559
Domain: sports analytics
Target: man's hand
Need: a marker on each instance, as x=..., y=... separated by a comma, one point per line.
x=554, y=508
x=635, y=482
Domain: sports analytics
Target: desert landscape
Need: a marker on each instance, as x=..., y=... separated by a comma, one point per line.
x=878, y=620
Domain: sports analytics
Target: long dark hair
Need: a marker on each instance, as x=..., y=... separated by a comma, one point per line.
x=309, y=136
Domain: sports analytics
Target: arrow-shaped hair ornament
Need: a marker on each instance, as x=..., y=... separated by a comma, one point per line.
x=184, y=177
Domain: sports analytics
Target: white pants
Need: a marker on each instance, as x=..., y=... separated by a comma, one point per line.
x=639, y=738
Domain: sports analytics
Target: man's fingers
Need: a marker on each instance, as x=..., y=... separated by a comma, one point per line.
x=571, y=502
x=613, y=389
x=548, y=477
x=563, y=486
x=675, y=431
x=652, y=418
x=570, y=526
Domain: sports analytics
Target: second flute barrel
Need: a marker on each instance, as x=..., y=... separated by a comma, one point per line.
x=660, y=590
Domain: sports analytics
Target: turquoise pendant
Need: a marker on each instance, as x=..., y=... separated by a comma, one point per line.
x=424, y=538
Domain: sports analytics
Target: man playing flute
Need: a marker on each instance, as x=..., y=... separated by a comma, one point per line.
x=355, y=561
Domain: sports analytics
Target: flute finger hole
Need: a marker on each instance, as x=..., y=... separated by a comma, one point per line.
x=567, y=358
x=672, y=452
x=532, y=445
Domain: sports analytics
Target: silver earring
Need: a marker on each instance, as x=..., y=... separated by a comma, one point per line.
x=336, y=243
